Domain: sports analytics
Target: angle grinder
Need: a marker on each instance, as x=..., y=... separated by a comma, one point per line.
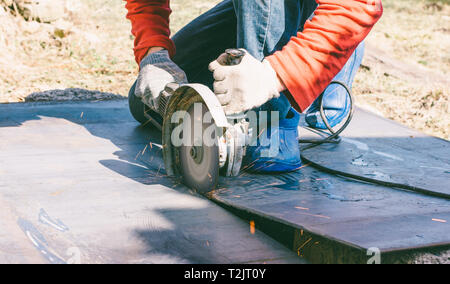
x=200, y=142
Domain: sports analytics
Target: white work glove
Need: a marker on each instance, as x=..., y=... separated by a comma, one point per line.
x=157, y=70
x=246, y=86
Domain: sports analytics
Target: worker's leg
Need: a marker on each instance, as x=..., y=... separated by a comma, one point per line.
x=277, y=147
x=264, y=27
x=277, y=22
x=261, y=27
x=270, y=31
x=201, y=41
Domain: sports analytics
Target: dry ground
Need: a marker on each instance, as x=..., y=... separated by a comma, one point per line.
x=404, y=77
x=407, y=66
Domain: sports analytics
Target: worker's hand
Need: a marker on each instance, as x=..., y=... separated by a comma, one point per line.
x=157, y=70
x=246, y=86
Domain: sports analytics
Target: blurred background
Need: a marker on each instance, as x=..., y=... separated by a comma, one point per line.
x=87, y=44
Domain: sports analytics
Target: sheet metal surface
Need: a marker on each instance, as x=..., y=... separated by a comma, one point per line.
x=82, y=183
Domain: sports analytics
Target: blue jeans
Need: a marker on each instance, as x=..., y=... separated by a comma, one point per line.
x=261, y=27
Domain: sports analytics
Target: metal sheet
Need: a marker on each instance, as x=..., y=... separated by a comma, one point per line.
x=94, y=178
x=377, y=148
x=332, y=217
x=84, y=183
x=355, y=213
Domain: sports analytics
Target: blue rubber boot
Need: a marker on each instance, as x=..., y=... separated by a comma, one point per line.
x=283, y=156
x=336, y=100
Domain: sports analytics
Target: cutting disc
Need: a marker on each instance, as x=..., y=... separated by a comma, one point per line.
x=199, y=161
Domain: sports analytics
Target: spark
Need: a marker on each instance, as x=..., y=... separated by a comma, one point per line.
x=262, y=167
x=439, y=220
x=262, y=131
x=302, y=246
x=146, y=123
x=302, y=208
x=144, y=150
x=303, y=166
x=252, y=227
x=157, y=145
x=250, y=165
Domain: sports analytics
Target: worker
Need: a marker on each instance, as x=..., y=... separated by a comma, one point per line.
x=294, y=50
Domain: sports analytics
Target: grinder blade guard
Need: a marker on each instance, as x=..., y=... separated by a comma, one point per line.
x=190, y=111
x=199, y=141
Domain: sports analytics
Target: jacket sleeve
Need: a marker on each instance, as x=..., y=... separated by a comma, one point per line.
x=150, y=25
x=310, y=61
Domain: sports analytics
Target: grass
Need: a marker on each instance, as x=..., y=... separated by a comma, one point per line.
x=91, y=48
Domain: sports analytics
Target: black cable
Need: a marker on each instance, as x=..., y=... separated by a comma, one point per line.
x=334, y=138
x=375, y=181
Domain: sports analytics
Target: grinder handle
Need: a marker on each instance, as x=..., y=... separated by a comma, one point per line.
x=231, y=57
